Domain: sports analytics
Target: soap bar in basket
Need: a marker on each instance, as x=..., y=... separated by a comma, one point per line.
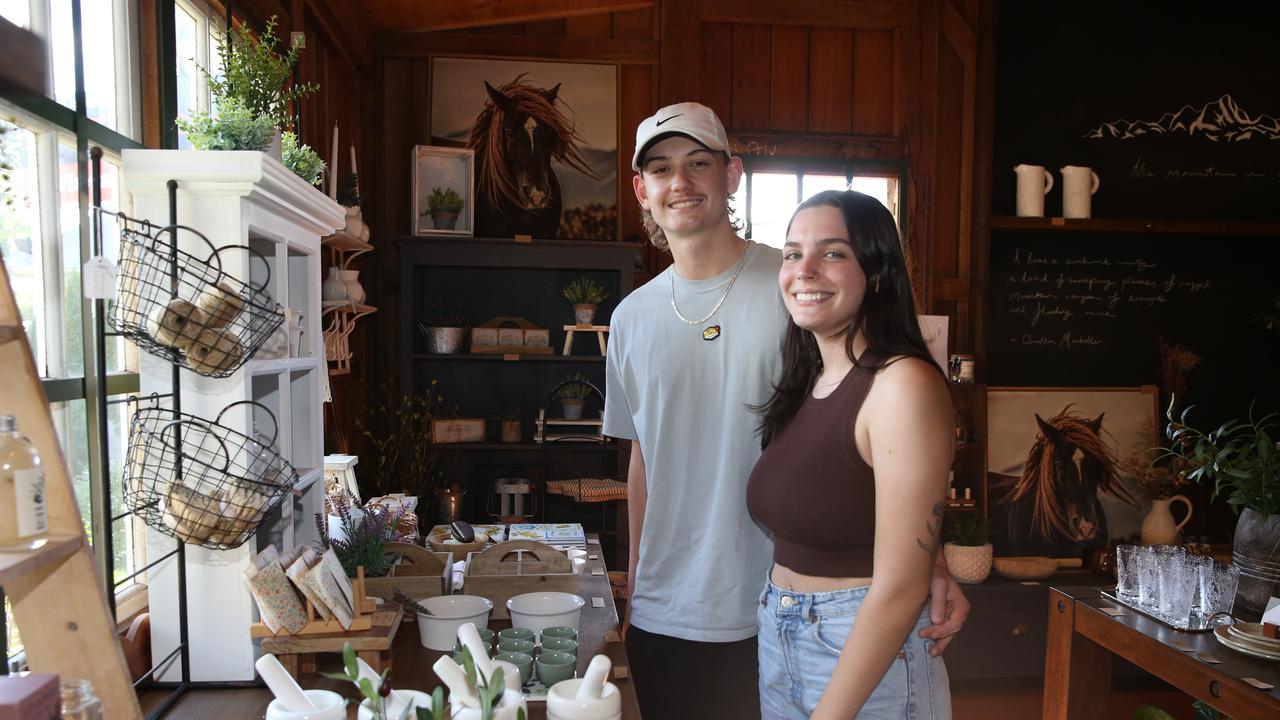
x=278, y=602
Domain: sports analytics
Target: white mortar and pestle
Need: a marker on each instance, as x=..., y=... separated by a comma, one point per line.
x=590, y=697
x=397, y=701
x=464, y=704
x=294, y=703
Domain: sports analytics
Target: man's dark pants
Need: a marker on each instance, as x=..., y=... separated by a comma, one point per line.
x=676, y=679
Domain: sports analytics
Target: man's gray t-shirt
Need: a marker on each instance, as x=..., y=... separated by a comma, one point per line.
x=684, y=394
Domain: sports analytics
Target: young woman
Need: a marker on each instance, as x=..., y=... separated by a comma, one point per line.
x=858, y=439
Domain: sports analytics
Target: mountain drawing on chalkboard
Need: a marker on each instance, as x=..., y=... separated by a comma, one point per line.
x=1219, y=121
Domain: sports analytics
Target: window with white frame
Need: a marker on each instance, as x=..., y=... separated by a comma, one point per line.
x=44, y=237
x=197, y=31
x=770, y=192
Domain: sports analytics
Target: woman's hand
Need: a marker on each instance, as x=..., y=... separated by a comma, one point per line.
x=948, y=608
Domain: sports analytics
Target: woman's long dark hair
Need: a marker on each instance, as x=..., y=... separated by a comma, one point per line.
x=886, y=317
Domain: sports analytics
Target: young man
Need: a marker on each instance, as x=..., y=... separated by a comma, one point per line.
x=690, y=353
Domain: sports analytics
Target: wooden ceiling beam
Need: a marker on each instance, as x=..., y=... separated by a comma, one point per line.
x=620, y=50
x=863, y=15
x=393, y=15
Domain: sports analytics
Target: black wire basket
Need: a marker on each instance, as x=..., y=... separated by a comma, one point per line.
x=201, y=481
x=186, y=309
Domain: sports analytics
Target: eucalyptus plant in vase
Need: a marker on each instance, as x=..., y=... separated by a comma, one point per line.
x=1242, y=460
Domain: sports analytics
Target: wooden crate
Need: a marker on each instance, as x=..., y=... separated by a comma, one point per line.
x=511, y=568
x=421, y=573
x=457, y=430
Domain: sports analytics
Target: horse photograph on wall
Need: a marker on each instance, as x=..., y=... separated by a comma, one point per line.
x=1055, y=482
x=545, y=138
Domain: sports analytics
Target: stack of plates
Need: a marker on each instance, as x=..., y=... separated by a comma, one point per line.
x=1248, y=639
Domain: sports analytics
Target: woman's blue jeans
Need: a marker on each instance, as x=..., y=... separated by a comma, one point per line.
x=801, y=635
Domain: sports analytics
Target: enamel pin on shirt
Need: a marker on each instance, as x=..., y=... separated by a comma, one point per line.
x=711, y=333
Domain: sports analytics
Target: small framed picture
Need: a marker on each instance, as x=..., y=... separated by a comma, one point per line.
x=443, y=179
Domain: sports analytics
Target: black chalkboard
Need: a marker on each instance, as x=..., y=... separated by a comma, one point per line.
x=1100, y=309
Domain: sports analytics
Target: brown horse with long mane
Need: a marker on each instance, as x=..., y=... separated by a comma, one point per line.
x=1053, y=507
x=517, y=134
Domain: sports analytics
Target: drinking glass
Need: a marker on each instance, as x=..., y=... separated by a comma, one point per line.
x=1127, y=572
x=1177, y=579
x=1170, y=560
x=1148, y=591
x=1202, y=566
x=1220, y=593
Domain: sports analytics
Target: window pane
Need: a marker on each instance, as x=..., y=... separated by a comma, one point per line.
x=62, y=48
x=814, y=184
x=738, y=204
x=72, y=360
x=17, y=12
x=773, y=200
x=19, y=235
x=876, y=187
x=121, y=355
x=190, y=82
x=100, y=36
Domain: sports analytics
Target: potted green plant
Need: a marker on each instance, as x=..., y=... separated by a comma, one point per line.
x=301, y=159
x=252, y=92
x=586, y=295
x=510, y=415
x=445, y=327
x=365, y=534
x=398, y=429
x=1242, y=460
x=444, y=204
x=967, y=547
x=572, y=394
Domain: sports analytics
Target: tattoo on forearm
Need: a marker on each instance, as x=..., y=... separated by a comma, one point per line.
x=933, y=528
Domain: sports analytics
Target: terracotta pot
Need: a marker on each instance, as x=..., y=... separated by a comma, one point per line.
x=444, y=220
x=511, y=431
x=584, y=314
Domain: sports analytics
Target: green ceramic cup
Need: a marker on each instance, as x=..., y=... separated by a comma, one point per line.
x=516, y=646
x=524, y=661
x=486, y=637
x=560, y=631
x=514, y=633
x=559, y=644
x=554, y=666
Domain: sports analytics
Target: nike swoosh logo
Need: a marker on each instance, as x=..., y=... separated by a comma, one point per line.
x=659, y=123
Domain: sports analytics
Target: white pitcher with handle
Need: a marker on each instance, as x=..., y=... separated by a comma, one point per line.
x=1034, y=182
x=1078, y=186
x=1158, y=527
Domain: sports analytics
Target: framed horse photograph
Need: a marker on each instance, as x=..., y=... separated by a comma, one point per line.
x=545, y=138
x=442, y=190
x=1057, y=483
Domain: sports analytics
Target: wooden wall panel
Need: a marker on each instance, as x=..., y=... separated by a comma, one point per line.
x=589, y=26
x=637, y=25
x=789, y=67
x=717, y=69
x=547, y=28
x=830, y=80
x=874, y=82
x=751, y=97
x=634, y=105
x=946, y=167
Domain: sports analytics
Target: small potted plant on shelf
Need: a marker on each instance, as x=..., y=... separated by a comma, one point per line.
x=301, y=159
x=510, y=415
x=252, y=94
x=586, y=295
x=967, y=548
x=445, y=327
x=444, y=204
x=1242, y=459
x=572, y=394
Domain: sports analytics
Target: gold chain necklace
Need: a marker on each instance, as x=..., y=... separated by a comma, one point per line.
x=719, y=302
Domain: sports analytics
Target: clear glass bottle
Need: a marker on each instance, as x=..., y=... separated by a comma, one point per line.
x=23, y=511
x=79, y=702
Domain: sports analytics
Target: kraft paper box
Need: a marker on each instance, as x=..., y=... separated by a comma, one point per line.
x=537, y=337
x=457, y=430
x=511, y=337
x=484, y=337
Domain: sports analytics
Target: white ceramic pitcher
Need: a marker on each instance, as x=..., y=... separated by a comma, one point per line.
x=1034, y=182
x=1078, y=186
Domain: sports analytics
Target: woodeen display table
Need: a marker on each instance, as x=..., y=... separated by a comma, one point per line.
x=1082, y=639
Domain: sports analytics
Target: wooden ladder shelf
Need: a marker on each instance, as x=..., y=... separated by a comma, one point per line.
x=58, y=601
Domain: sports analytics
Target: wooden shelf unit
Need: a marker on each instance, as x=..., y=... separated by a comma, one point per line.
x=1123, y=225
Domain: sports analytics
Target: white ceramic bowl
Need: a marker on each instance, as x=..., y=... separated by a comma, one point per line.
x=439, y=630
x=540, y=610
x=416, y=698
x=331, y=707
x=562, y=703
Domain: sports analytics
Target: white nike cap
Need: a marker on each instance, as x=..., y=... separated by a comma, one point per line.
x=693, y=120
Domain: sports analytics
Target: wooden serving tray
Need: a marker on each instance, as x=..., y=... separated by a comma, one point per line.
x=511, y=568
x=421, y=573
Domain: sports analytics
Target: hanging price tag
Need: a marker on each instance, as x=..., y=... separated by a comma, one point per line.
x=100, y=278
